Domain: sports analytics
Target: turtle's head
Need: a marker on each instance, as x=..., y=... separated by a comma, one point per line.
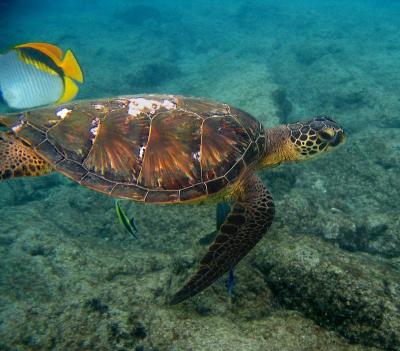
x=311, y=138
x=302, y=140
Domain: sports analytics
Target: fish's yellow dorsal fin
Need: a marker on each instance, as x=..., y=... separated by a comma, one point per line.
x=71, y=67
x=52, y=51
x=70, y=90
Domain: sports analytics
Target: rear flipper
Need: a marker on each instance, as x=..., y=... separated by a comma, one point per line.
x=19, y=160
x=247, y=222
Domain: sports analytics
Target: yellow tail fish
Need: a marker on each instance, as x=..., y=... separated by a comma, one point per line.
x=37, y=74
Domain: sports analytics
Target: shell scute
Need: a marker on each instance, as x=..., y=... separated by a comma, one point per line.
x=117, y=151
x=50, y=152
x=251, y=125
x=251, y=154
x=224, y=143
x=162, y=196
x=71, y=169
x=170, y=162
x=261, y=144
x=234, y=172
x=216, y=185
x=129, y=191
x=193, y=192
x=33, y=135
x=95, y=182
x=71, y=135
x=46, y=118
x=202, y=107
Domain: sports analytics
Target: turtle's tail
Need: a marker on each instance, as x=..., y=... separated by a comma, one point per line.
x=18, y=159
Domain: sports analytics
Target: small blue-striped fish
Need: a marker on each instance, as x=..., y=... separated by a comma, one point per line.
x=37, y=74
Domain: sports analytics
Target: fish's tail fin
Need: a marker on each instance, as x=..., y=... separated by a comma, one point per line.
x=71, y=67
x=72, y=71
x=18, y=159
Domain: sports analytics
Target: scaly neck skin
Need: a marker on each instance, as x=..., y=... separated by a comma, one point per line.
x=279, y=147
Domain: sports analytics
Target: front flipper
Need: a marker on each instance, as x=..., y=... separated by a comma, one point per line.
x=18, y=159
x=245, y=225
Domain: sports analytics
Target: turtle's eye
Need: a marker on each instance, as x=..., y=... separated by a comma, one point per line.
x=331, y=136
x=327, y=134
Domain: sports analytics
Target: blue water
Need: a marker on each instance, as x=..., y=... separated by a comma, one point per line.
x=61, y=249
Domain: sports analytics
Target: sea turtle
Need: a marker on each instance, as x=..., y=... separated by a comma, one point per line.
x=167, y=149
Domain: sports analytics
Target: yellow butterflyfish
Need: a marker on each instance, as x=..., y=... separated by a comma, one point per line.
x=37, y=74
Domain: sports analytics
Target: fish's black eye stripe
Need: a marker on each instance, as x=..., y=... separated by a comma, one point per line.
x=37, y=55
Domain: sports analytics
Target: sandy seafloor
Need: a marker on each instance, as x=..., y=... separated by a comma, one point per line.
x=326, y=277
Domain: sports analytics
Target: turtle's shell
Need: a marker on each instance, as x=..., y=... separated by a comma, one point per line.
x=149, y=148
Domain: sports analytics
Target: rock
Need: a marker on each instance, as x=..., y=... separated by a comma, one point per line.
x=357, y=295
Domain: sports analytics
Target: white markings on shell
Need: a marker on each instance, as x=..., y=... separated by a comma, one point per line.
x=63, y=113
x=18, y=126
x=169, y=105
x=196, y=155
x=98, y=106
x=140, y=105
x=95, y=128
x=141, y=151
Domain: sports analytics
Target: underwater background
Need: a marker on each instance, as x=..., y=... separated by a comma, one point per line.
x=327, y=275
